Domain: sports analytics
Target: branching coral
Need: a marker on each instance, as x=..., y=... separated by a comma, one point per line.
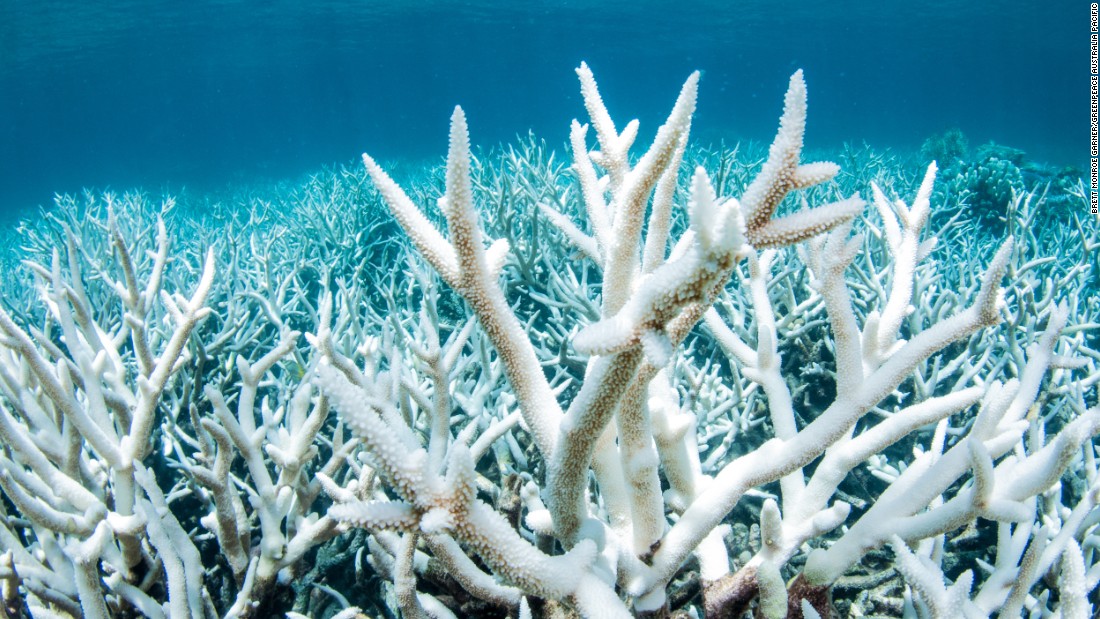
x=585, y=416
x=646, y=313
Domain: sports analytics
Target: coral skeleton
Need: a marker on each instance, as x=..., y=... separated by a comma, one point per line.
x=669, y=401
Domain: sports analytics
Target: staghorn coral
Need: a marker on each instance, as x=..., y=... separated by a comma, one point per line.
x=566, y=418
x=667, y=301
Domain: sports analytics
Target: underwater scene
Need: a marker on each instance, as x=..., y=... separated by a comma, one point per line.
x=549, y=309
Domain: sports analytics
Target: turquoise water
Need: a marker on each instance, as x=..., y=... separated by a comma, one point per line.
x=166, y=94
x=254, y=114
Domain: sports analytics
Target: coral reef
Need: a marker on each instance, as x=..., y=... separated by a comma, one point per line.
x=946, y=148
x=526, y=389
x=994, y=180
x=990, y=186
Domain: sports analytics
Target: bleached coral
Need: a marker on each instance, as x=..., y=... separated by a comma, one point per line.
x=588, y=414
x=645, y=314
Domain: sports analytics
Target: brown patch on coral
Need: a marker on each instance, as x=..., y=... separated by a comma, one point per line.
x=819, y=596
x=730, y=595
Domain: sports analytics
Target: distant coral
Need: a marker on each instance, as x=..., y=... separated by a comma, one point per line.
x=945, y=148
x=989, y=187
x=993, y=180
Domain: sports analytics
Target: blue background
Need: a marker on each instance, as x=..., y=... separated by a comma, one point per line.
x=200, y=94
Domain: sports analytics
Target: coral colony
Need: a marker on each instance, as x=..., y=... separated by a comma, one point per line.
x=605, y=390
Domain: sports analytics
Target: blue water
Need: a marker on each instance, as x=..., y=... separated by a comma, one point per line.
x=199, y=94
